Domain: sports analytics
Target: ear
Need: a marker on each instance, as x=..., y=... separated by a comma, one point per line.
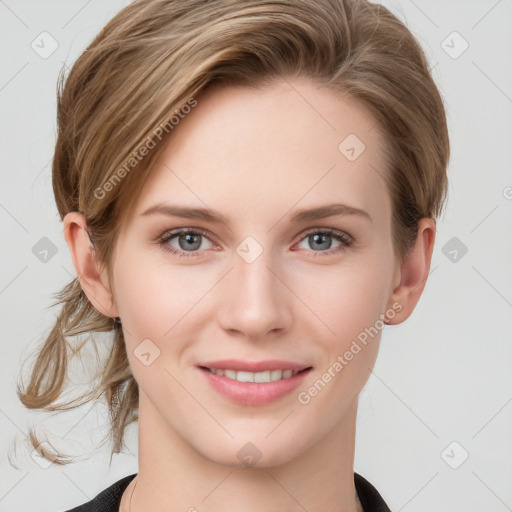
x=412, y=274
x=93, y=279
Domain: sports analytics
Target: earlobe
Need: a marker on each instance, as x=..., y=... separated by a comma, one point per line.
x=93, y=279
x=413, y=273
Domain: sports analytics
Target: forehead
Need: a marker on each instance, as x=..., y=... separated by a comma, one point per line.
x=258, y=152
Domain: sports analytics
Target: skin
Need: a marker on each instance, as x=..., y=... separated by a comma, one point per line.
x=256, y=156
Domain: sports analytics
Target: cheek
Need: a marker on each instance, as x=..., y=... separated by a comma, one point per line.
x=351, y=298
x=137, y=299
x=150, y=297
x=351, y=307
x=159, y=303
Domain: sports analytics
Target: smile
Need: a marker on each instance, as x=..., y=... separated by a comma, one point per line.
x=253, y=383
x=265, y=376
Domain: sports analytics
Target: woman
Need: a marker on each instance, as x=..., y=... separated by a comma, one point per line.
x=249, y=192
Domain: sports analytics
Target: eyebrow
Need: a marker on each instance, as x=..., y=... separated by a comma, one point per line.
x=214, y=217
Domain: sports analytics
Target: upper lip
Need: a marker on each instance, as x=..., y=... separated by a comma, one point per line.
x=254, y=366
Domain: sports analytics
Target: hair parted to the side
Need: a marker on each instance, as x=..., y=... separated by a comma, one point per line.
x=152, y=58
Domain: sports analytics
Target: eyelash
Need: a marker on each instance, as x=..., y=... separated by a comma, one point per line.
x=163, y=240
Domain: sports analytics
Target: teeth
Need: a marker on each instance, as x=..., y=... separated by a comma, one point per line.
x=276, y=375
x=267, y=376
x=230, y=374
x=245, y=376
x=263, y=376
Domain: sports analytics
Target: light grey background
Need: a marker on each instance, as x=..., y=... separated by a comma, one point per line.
x=441, y=377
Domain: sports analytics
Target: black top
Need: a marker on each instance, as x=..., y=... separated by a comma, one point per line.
x=109, y=499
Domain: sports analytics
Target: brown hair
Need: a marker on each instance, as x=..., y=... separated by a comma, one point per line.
x=150, y=61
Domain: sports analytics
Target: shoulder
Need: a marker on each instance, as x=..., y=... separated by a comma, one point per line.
x=369, y=497
x=107, y=500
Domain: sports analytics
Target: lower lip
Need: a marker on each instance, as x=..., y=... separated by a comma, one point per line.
x=254, y=393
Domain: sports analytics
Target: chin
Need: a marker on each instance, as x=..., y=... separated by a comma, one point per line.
x=260, y=453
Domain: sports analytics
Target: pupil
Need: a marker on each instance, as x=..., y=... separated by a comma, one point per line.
x=321, y=239
x=190, y=242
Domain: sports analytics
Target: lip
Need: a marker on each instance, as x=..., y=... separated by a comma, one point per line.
x=253, y=393
x=256, y=366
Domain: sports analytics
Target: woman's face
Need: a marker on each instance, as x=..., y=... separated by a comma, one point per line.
x=269, y=286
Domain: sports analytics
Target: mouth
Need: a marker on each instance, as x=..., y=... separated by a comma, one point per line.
x=258, y=377
x=254, y=383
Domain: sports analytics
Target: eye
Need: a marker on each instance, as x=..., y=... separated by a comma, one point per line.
x=321, y=239
x=188, y=241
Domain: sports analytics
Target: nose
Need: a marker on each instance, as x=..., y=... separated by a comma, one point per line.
x=253, y=298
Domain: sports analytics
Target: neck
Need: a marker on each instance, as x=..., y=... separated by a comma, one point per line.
x=174, y=476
